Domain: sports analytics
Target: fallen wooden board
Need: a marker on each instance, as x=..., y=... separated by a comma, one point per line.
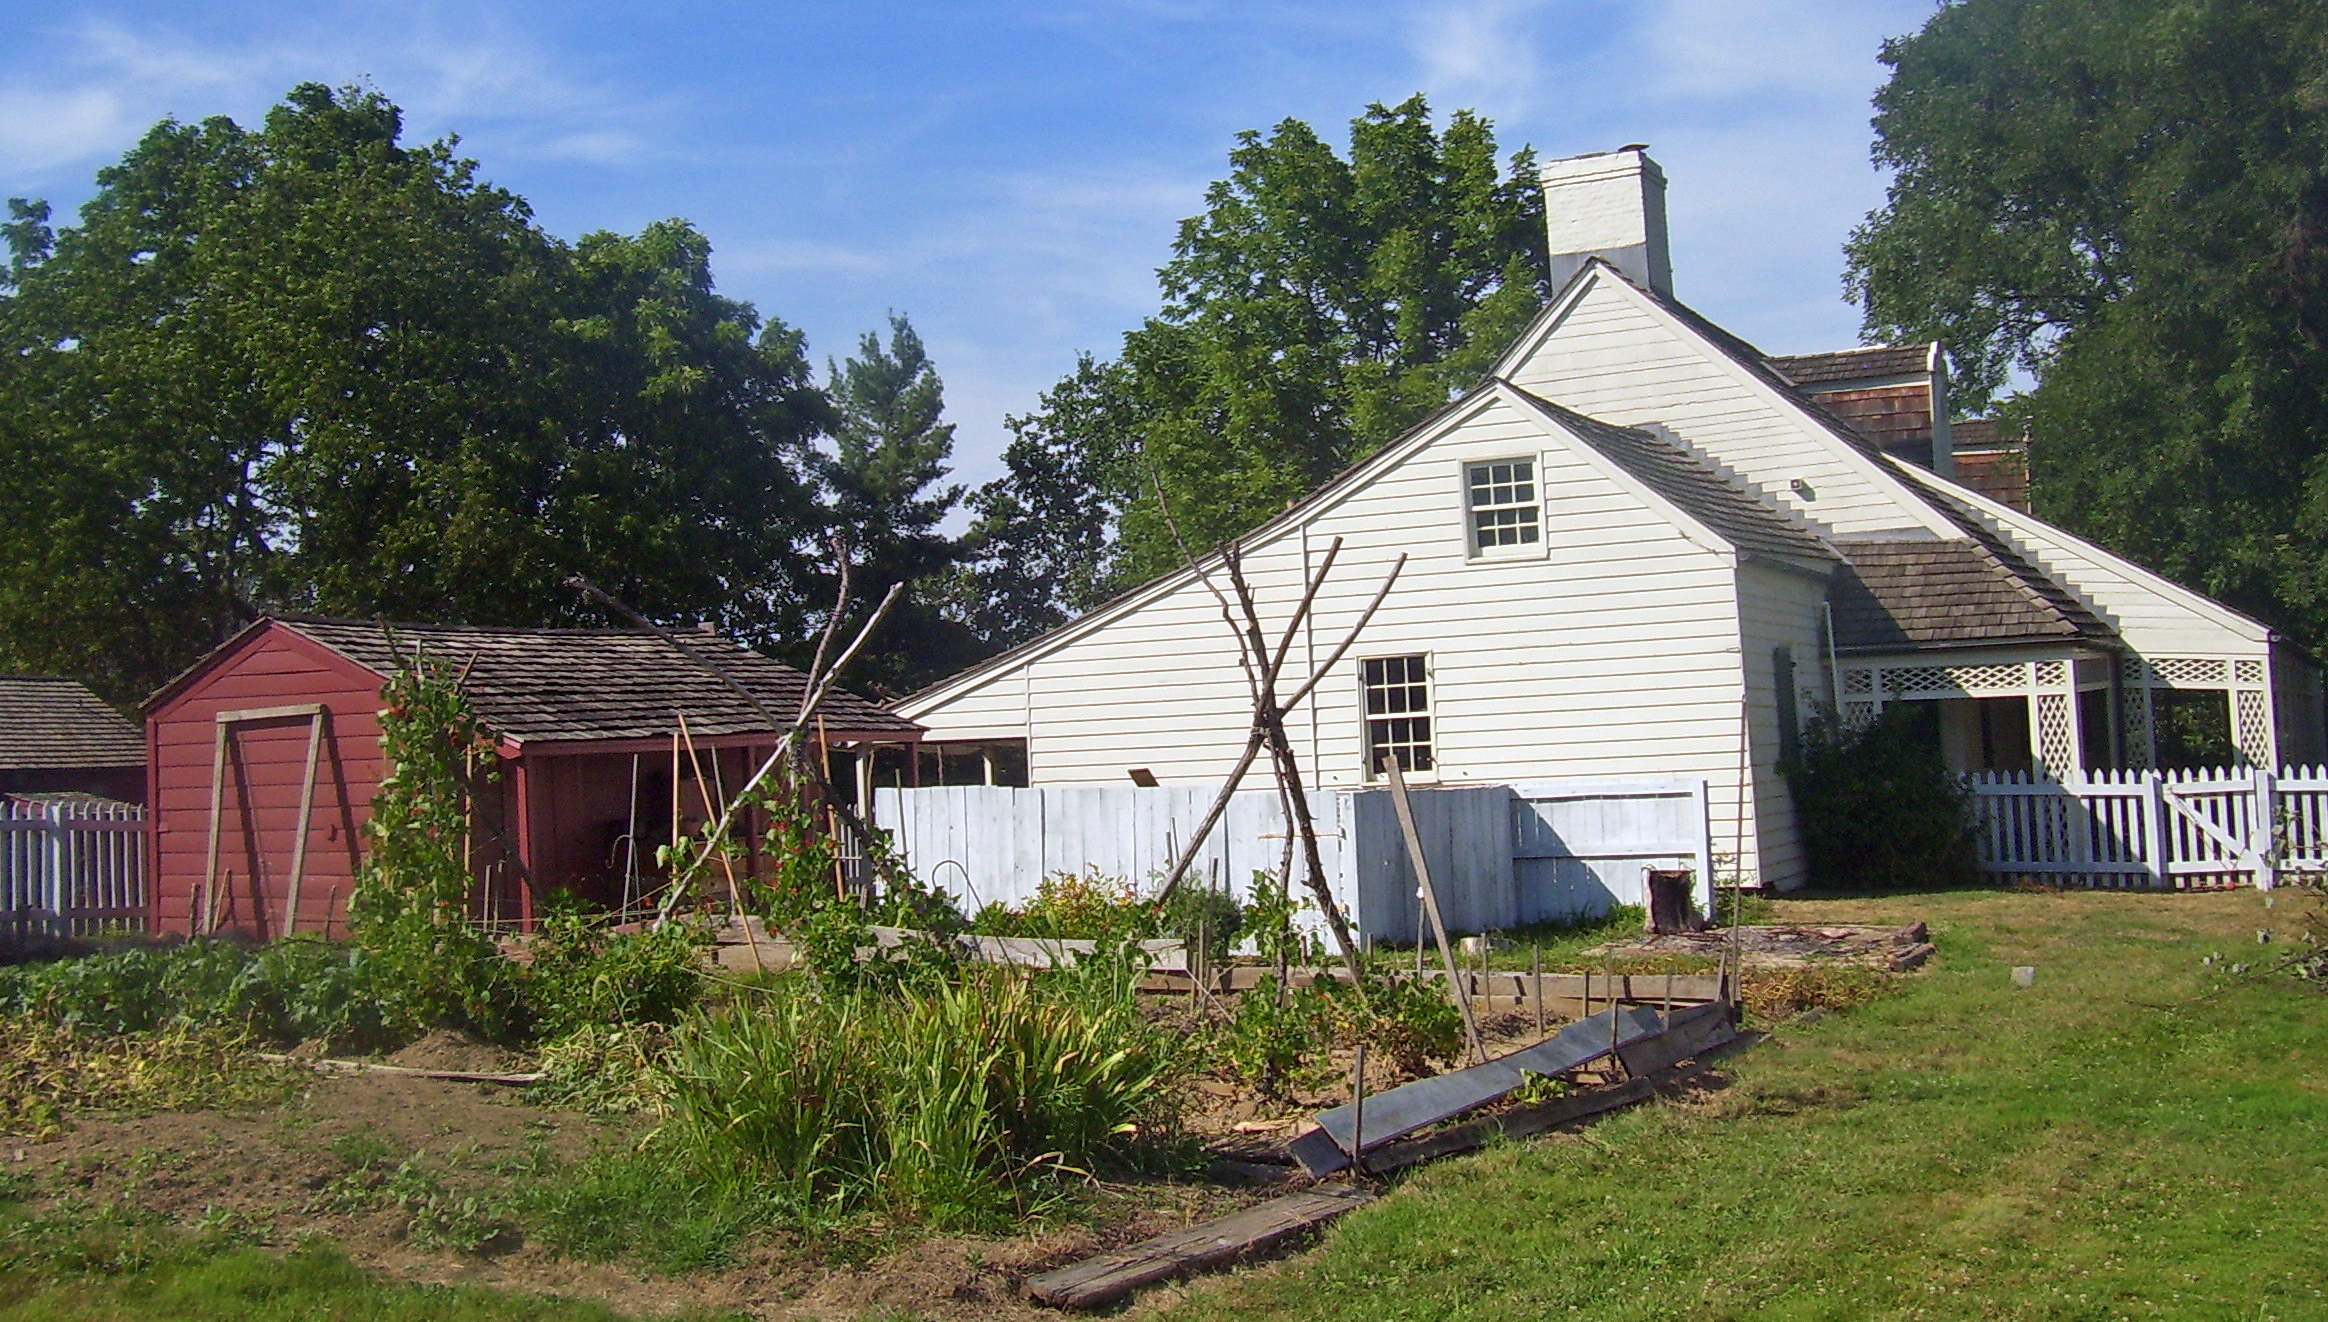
x=1098, y=1281
x=323, y=1066
x=1524, y=1121
x=1399, y=1111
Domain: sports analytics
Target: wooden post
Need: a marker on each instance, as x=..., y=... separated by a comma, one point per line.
x=1358, y=1112
x=1536, y=968
x=205, y=917
x=1422, y=867
x=2263, y=841
x=2155, y=839
x=299, y=833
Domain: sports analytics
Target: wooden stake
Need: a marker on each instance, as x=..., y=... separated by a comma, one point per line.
x=1536, y=969
x=1422, y=867
x=1358, y=1112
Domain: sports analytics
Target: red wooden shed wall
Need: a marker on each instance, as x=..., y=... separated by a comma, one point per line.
x=264, y=769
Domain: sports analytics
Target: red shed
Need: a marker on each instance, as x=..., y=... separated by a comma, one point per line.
x=263, y=758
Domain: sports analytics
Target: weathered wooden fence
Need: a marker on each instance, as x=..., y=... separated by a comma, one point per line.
x=1500, y=855
x=2182, y=830
x=71, y=866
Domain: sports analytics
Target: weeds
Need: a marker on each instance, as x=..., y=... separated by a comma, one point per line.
x=1774, y=994
x=435, y=1218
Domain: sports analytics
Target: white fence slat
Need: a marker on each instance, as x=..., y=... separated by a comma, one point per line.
x=71, y=867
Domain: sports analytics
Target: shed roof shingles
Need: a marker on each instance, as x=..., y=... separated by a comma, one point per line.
x=570, y=685
x=50, y=722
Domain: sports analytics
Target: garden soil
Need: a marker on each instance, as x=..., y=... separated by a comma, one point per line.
x=264, y=1171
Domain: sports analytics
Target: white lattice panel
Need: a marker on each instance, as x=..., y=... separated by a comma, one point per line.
x=1858, y=713
x=1991, y=679
x=2133, y=670
x=2141, y=751
x=1916, y=679
x=2254, y=727
x=2052, y=674
x=2056, y=741
x=1859, y=681
x=2247, y=671
x=2189, y=672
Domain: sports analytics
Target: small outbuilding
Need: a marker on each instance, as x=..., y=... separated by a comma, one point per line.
x=264, y=758
x=57, y=737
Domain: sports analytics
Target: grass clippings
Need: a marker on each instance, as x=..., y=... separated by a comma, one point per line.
x=49, y=1072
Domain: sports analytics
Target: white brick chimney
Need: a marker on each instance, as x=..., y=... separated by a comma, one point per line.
x=1609, y=205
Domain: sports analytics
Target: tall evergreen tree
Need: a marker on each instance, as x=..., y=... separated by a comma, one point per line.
x=891, y=453
x=1319, y=307
x=2129, y=202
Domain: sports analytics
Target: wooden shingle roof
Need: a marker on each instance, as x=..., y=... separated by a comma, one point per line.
x=1900, y=594
x=573, y=685
x=1874, y=361
x=49, y=722
x=1685, y=481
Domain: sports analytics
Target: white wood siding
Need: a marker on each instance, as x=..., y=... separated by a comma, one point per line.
x=1776, y=610
x=1611, y=356
x=1614, y=654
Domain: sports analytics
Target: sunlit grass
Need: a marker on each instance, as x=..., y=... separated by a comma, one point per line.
x=2135, y=1136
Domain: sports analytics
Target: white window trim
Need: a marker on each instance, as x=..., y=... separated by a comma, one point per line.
x=1430, y=713
x=1473, y=553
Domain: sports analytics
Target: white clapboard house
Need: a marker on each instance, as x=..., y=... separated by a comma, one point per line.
x=1638, y=552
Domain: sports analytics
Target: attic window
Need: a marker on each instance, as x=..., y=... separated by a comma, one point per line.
x=1505, y=512
x=1397, y=696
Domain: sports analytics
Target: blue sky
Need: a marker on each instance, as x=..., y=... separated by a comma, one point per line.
x=1009, y=175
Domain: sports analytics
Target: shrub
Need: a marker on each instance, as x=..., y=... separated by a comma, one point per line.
x=1878, y=806
x=584, y=974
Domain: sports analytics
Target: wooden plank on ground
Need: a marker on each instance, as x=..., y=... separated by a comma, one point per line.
x=1099, y=1281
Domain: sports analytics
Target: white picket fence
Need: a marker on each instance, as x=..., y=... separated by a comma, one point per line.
x=71, y=866
x=2181, y=830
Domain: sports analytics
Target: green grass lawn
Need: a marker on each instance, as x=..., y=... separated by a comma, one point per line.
x=2136, y=1136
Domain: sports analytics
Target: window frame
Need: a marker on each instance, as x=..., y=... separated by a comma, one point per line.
x=1535, y=549
x=1428, y=715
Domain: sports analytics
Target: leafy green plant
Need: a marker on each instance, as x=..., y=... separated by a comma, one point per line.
x=410, y=905
x=1273, y=1031
x=1878, y=806
x=1407, y=1020
x=585, y=974
x=942, y=1100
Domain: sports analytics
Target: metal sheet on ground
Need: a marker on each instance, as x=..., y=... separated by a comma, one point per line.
x=1409, y=1107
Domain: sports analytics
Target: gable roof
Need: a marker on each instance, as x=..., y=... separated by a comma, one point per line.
x=46, y=721
x=1686, y=482
x=1862, y=364
x=568, y=685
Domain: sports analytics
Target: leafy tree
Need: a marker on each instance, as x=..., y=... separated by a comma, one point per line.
x=306, y=366
x=2128, y=201
x=882, y=483
x=1319, y=307
x=1040, y=550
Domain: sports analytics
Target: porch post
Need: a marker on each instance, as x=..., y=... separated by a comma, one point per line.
x=2154, y=836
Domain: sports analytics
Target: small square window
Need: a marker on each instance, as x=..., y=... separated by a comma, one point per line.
x=1503, y=505
x=1395, y=693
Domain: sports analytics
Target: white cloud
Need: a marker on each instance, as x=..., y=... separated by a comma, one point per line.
x=79, y=94
x=1478, y=53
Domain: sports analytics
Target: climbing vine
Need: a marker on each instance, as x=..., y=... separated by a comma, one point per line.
x=410, y=905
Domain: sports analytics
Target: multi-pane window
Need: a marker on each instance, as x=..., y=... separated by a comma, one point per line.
x=1504, y=508
x=1398, y=712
